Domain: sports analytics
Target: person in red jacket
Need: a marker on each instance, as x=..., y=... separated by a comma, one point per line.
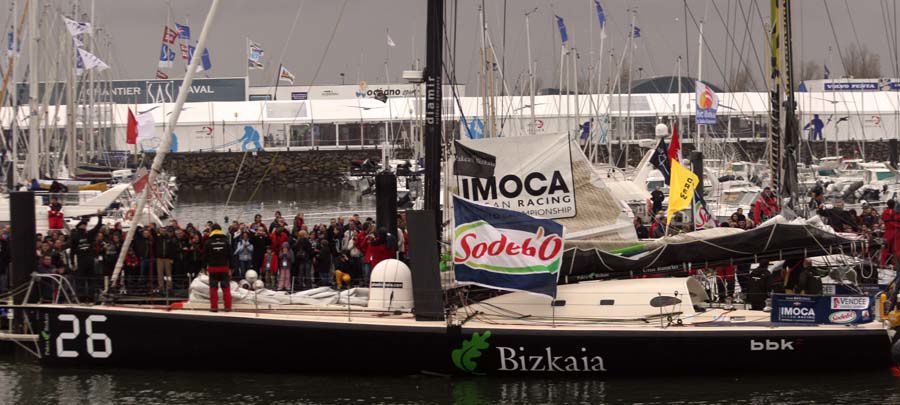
x=381, y=247
x=362, y=245
x=217, y=254
x=890, y=228
x=766, y=206
x=278, y=237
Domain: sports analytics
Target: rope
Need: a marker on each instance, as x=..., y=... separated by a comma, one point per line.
x=236, y=176
x=261, y=179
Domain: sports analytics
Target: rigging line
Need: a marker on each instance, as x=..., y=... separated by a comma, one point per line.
x=259, y=183
x=687, y=52
x=740, y=56
x=852, y=25
x=843, y=64
x=289, y=36
x=885, y=25
x=236, y=176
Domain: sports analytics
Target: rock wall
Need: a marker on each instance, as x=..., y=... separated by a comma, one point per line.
x=874, y=150
x=217, y=170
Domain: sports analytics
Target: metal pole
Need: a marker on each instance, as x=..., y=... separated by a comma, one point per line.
x=166, y=143
x=533, y=124
x=31, y=158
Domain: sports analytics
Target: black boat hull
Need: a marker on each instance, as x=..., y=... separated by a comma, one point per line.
x=103, y=337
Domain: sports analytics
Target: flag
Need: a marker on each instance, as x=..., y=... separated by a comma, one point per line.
x=10, y=44
x=505, y=249
x=131, y=133
x=600, y=14
x=161, y=75
x=141, y=175
x=681, y=189
x=635, y=31
x=284, y=74
x=166, y=57
x=77, y=28
x=563, y=34
x=76, y=43
x=827, y=72
x=660, y=160
x=146, y=126
x=184, y=32
x=254, y=55
x=90, y=61
x=473, y=163
x=185, y=53
x=169, y=35
x=390, y=41
x=205, y=63
x=675, y=146
x=707, y=104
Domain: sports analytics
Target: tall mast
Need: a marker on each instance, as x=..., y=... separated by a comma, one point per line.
x=31, y=165
x=790, y=130
x=433, y=125
x=166, y=142
x=532, y=125
x=700, y=70
x=92, y=145
x=775, y=141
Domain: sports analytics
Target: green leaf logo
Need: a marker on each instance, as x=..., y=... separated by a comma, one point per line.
x=45, y=335
x=464, y=357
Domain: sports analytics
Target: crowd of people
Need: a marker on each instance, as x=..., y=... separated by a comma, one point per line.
x=288, y=255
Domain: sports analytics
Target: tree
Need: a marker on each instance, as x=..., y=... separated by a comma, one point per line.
x=860, y=63
x=810, y=70
x=740, y=80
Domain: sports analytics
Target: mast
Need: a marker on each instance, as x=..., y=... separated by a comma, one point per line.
x=532, y=125
x=166, y=142
x=628, y=120
x=31, y=165
x=775, y=141
x=791, y=129
x=433, y=125
x=93, y=150
x=700, y=70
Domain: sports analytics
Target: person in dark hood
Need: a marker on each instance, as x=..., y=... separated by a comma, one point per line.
x=81, y=246
x=217, y=254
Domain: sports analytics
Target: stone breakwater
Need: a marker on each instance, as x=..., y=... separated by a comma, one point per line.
x=872, y=150
x=290, y=169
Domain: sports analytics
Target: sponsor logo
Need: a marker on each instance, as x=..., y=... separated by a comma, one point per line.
x=466, y=357
x=482, y=250
x=842, y=317
x=512, y=359
x=849, y=302
x=771, y=345
x=386, y=284
x=797, y=314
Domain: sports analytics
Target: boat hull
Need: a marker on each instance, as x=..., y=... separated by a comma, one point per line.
x=103, y=337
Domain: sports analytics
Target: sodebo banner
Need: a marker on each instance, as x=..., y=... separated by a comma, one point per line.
x=533, y=175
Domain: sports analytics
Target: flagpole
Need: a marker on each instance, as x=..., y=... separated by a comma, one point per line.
x=277, y=81
x=166, y=143
x=247, y=60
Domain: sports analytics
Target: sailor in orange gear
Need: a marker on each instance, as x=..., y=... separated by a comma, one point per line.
x=217, y=256
x=887, y=216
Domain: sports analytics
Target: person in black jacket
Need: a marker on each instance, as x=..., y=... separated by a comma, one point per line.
x=217, y=254
x=143, y=248
x=259, y=240
x=166, y=249
x=81, y=246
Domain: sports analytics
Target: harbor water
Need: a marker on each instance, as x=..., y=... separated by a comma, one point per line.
x=28, y=383
x=22, y=381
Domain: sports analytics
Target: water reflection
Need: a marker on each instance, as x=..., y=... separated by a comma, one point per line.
x=28, y=383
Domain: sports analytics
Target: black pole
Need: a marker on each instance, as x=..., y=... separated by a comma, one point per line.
x=386, y=201
x=22, y=222
x=277, y=80
x=892, y=152
x=433, y=125
x=697, y=168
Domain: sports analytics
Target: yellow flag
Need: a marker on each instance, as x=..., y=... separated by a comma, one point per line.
x=681, y=189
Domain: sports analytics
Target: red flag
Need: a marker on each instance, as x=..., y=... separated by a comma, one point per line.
x=140, y=180
x=131, y=137
x=161, y=75
x=675, y=145
x=169, y=35
x=185, y=53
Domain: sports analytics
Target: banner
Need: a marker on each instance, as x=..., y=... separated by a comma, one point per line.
x=470, y=162
x=532, y=175
x=707, y=104
x=821, y=309
x=255, y=55
x=660, y=160
x=505, y=249
x=681, y=189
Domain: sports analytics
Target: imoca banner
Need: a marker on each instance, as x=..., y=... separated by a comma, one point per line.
x=505, y=249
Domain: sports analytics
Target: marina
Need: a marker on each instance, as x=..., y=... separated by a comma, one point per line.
x=495, y=239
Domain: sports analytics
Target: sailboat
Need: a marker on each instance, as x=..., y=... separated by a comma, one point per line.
x=407, y=322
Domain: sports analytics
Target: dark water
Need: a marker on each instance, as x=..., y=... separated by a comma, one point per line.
x=317, y=205
x=24, y=383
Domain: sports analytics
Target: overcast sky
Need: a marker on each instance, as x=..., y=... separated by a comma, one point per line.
x=359, y=49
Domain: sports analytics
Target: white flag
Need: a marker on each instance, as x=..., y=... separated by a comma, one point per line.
x=390, y=41
x=283, y=74
x=90, y=61
x=77, y=28
x=146, y=127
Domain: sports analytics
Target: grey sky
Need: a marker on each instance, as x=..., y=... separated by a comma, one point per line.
x=359, y=45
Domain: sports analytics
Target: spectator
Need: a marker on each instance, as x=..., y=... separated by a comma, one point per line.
x=285, y=262
x=244, y=253
x=217, y=254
